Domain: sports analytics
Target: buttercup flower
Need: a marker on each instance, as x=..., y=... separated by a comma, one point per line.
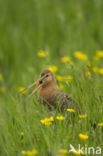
x=64, y=78
x=22, y=133
x=53, y=68
x=51, y=118
x=29, y=153
x=33, y=152
x=100, y=124
x=42, y=53
x=60, y=118
x=83, y=136
x=80, y=55
x=81, y=116
x=68, y=78
x=100, y=71
x=61, y=86
x=23, y=152
x=21, y=89
x=70, y=110
x=95, y=69
x=65, y=59
x=87, y=73
x=63, y=151
x=99, y=54
x=59, y=77
x=47, y=121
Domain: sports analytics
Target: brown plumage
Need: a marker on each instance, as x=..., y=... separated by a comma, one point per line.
x=51, y=96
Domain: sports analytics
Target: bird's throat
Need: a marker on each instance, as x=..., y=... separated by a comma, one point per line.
x=46, y=89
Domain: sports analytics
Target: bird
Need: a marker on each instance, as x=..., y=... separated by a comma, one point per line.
x=49, y=95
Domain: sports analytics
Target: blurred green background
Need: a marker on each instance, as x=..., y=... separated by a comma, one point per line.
x=60, y=27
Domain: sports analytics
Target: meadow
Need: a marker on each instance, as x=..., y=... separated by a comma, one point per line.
x=67, y=38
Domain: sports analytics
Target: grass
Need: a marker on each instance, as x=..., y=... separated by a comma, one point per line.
x=60, y=28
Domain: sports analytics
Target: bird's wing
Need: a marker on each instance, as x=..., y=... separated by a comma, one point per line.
x=67, y=99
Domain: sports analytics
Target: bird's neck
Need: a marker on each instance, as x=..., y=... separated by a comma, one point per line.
x=47, y=89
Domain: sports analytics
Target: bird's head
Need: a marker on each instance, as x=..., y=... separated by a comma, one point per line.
x=46, y=78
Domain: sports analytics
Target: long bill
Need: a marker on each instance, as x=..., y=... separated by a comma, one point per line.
x=30, y=86
x=33, y=92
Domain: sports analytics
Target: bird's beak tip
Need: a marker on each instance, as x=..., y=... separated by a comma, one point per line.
x=34, y=91
x=30, y=86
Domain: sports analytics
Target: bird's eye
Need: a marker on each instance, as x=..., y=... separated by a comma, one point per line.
x=47, y=75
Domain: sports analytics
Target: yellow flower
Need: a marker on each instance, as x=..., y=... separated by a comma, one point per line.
x=68, y=78
x=28, y=153
x=33, y=152
x=64, y=78
x=83, y=136
x=61, y=86
x=80, y=55
x=47, y=121
x=81, y=116
x=53, y=68
x=100, y=124
x=1, y=76
x=70, y=110
x=22, y=133
x=99, y=53
x=100, y=71
x=59, y=77
x=51, y=118
x=65, y=59
x=23, y=152
x=60, y=118
x=42, y=53
x=87, y=73
x=95, y=69
x=20, y=89
x=63, y=151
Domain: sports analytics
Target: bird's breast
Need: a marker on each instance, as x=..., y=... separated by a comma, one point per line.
x=49, y=95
